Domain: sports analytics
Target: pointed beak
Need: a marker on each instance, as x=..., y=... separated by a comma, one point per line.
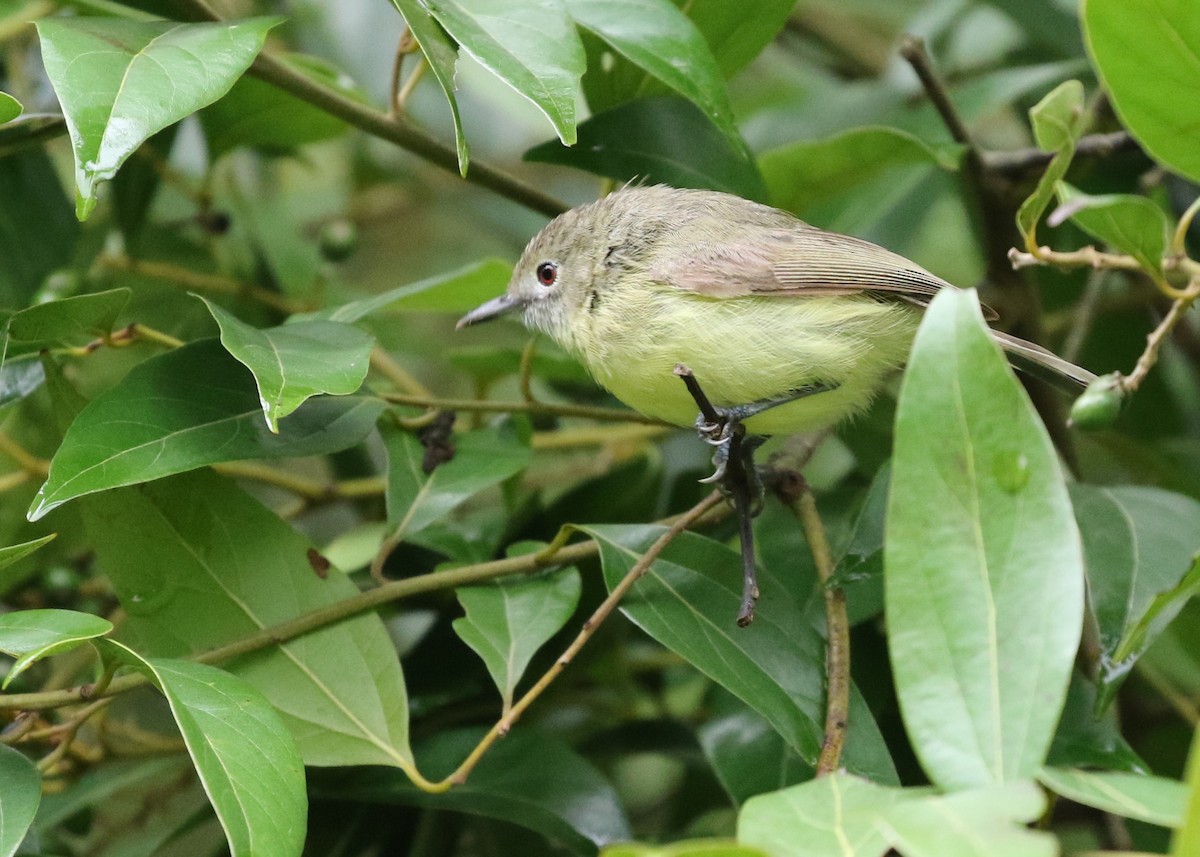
x=492, y=309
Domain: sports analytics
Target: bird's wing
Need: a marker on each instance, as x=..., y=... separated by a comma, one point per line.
x=798, y=261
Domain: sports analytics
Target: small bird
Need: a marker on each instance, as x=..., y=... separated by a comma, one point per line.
x=785, y=327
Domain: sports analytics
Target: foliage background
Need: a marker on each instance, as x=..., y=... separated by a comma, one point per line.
x=294, y=197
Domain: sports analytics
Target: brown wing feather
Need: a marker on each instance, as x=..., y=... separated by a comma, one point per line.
x=802, y=260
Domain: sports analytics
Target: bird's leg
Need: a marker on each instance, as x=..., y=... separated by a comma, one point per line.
x=738, y=479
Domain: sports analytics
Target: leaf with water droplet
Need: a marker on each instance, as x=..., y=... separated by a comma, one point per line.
x=120, y=81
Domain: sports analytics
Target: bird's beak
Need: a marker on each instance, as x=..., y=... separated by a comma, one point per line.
x=492, y=309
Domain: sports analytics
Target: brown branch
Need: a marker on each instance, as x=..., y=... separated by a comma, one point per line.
x=1017, y=163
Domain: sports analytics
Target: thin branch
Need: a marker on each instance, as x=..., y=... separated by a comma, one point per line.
x=28, y=462
x=505, y=723
x=383, y=363
x=609, y=414
x=794, y=491
x=1017, y=162
x=212, y=284
x=1158, y=336
x=912, y=48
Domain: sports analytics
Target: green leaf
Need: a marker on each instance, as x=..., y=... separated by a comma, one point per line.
x=737, y=32
x=687, y=601
x=1141, y=545
x=747, y=755
x=1132, y=224
x=294, y=362
x=255, y=113
x=197, y=564
x=1057, y=122
x=195, y=405
x=121, y=81
x=686, y=848
x=19, y=378
x=1186, y=841
x=657, y=37
x=13, y=553
x=844, y=815
x=30, y=635
x=983, y=564
x=658, y=140
x=1154, y=800
x=69, y=321
x=442, y=56
x=482, y=459
x=10, y=108
x=507, y=621
x=1084, y=740
x=246, y=759
x=532, y=779
x=37, y=231
x=529, y=44
x=1146, y=53
x=803, y=175
x=457, y=291
x=18, y=798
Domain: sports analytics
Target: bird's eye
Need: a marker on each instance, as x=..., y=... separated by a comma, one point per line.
x=547, y=273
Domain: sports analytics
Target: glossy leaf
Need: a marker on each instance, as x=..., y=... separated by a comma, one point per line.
x=255, y=113
x=1145, y=53
x=19, y=378
x=1154, y=800
x=737, y=32
x=457, y=291
x=1131, y=224
x=1140, y=544
x=442, y=56
x=294, y=362
x=121, y=81
x=19, y=798
x=803, y=175
x=197, y=563
x=13, y=553
x=983, y=564
x=851, y=817
x=746, y=754
x=507, y=621
x=482, y=459
x=10, y=108
x=1057, y=122
x=30, y=635
x=688, y=600
x=531, y=779
x=1084, y=740
x=658, y=140
x=246, y=759
x=529, y=44
x=70, y=321
x=657, y=37
x=195, y=405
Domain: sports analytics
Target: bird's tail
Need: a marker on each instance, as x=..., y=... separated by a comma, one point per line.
x=1043, y=363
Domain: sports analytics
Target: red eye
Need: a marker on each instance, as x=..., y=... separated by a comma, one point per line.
x=547, y=273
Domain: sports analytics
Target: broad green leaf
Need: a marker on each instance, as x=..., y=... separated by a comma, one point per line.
x=1057, y=122
x=294, y=362
x=197, y=564
x=13, y=553
x=70, y=321
x=747, y=755
x=442, y=56
x=1154, y=800
x=686, y=848
x=851, y=817
x=1084, y=740
x=983, y=564
x=19, y=798
x=19, y=378
x=121, y=81
x=658, y=140
x=507, y=621
x=1186, y=841
x=803, y=175
x=457, y=291
x=529, y=44
x=37, y=231
x=1147, y=53
x=1140, y=545
x=255, y=113
x=246, y=759
x=1131, y=224
x=688, y=600
x=737, y=32
x=195, y=405
x=10, y=108
x=657, y=37
x=416, y=498
x=531, y=779
x=30, y=635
